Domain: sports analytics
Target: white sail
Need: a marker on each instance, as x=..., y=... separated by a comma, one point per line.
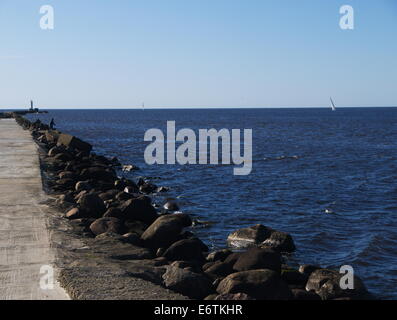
x=332, y=105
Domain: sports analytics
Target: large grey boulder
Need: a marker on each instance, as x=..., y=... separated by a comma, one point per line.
x=326, y=283
x=139, y=209
x=165, y=230
x=261, y=236
x=251, y=236
x=186, y=250
x=105, y=225
x=193, y=285
x=260, y=284
x=258, y=258
x=92, y=205
x=280, y=241
x=70, y=141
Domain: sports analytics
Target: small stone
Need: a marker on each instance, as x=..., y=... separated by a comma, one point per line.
x=82, y=186
x=75, y=213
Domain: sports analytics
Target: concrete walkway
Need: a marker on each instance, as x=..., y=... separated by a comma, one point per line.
x=24, y=238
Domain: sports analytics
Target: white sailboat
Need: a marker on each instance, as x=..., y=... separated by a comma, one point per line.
x=332, y=105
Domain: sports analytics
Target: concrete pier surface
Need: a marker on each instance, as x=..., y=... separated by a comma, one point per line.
x=24, y=236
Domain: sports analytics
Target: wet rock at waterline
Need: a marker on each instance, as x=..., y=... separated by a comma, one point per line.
x=165, y=230
x=252, y=236
x=280, y=241
x=162, y=189
x=70, y=141
x=261, y=236
x=139, y=209
x=147, y=188
x=171, y=205
x=326, y=283
x=131, y=189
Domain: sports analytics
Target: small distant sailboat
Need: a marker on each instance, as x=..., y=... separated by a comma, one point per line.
x=332, y=105
x=143, y=106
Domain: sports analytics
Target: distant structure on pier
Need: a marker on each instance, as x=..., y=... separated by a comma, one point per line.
x=32, y=109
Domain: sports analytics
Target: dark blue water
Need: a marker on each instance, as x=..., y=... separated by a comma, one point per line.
x=305, y=161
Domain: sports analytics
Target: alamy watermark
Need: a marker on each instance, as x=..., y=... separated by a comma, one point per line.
x=47, y=19
x=163, y=148
x=47, y=279
x=346, y=282
x=346, y=22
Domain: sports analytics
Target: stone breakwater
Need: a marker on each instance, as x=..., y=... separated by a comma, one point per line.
x=126, y=234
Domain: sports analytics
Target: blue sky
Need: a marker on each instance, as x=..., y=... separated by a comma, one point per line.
x=207, y=53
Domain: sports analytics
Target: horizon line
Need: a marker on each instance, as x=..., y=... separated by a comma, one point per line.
x=190, y=108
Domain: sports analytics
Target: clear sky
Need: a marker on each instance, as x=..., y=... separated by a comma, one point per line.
x=205, y=53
